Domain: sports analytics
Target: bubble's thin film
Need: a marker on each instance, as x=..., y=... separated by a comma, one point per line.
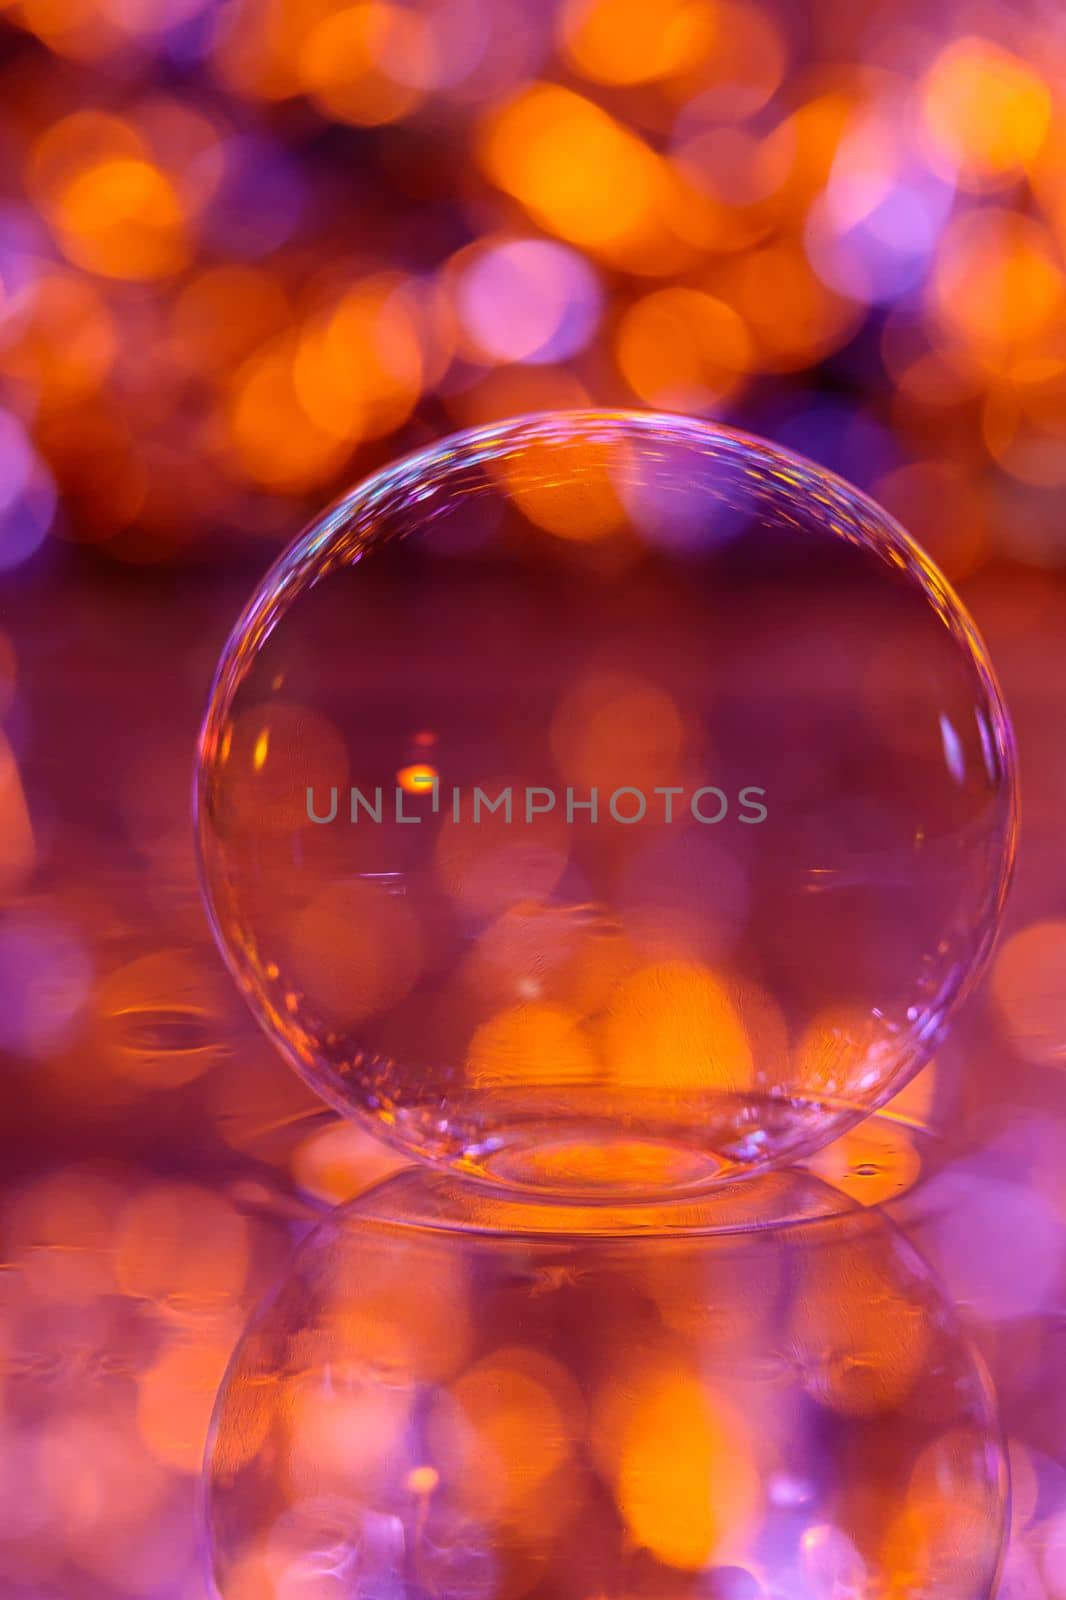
x=605, y=804
x=454, y=1394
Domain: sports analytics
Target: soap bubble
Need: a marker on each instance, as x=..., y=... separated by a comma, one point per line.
x=464, y=1393
x=605, y=803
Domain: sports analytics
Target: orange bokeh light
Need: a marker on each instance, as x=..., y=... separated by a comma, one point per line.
x=176, y=1396
x=793, y=318
x=224, y=313
x=272, y=438
x=358, y=366
x=612, y=201
x=987, y=112
x=580, y=503
x=613, y=729
x=531, y=1044
x=998, y=289
x=681, y=350
x=343, y=64
x=675, y=1024
x=181, y=1245
x=684, y=1477
x=628, y=41
x=1028, y=994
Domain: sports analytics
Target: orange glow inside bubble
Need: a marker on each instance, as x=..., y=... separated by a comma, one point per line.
x=614, y=729
x=675, y=1024
x=275, y=753
x=417, y=779
x=576, y=500
x=863, y=1338
x=402, y=1319
x=685, y=1480
x=837, y=1049
x=355, y=950
x=948, y=1491
x=531, y=1043
x=490, y=867
x=537, y=952
x=344, y=1435
x=512, y=1435
x=250, y=1409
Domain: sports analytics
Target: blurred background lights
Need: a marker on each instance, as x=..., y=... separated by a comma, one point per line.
x=344, y=62
x=624, y=42
x=529, y=300
x=1028, y=996
x=681, y=350
x=585, y=1429
x=27, y=495
x=359, y=223
x=45, y=980
x=986, y=111
x=611, y=203
x=873, y=232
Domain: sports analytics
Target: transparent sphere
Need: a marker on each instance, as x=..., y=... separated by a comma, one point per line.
x=467, y=1394
x=605, y=803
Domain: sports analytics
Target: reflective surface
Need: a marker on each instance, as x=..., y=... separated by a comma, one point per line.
x=605, y=803
x=162, y=1163
x=757, y=1395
